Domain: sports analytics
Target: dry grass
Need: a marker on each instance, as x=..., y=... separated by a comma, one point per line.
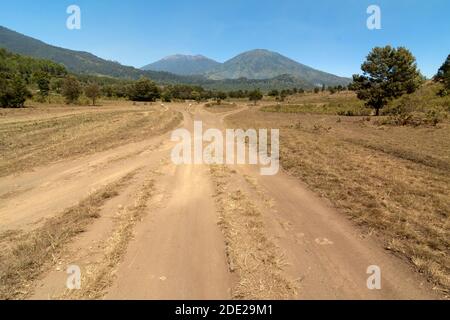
x=98, y=277
x=394, y=180
x=25, y=256
x=252, y=255
x=30, y=137
x=220, y=108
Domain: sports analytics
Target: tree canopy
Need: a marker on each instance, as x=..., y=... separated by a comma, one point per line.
x=388, y=73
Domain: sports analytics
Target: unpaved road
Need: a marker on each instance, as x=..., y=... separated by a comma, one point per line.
x=178, y=249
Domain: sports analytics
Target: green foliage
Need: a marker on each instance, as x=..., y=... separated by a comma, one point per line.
x=255, y=95
x=277, y=71
x=16, y=72
x=71, y=89
x=42, y=79
x=13, y=92
x=219, y=96
x=388, y=73
x=92, y=91
x=144, y=90
x=26, y=66
x=443, y=75
x=166, y=96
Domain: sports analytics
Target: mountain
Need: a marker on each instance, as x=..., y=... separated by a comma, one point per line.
x=80, y=62
x=255, y=69
x=264, y=64
x=183, y=64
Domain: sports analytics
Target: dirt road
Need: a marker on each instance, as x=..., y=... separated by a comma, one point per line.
x=175, y=231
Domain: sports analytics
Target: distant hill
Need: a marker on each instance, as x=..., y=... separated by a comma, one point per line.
x=183, y=64
x=256, y=69
x=79, y=61
x=264, y=64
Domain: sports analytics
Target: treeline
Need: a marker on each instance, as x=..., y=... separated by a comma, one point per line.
x=23, y=78
x=18, y=73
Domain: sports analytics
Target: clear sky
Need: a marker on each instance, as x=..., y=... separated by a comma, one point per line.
x=329, y=35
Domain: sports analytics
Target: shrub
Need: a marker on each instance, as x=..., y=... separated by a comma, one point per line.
x=71, y=89
x=92, y=91
x=143, y=90
x=13, y=93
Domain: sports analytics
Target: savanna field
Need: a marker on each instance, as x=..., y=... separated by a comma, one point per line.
x=129, y=182
x=390, y=177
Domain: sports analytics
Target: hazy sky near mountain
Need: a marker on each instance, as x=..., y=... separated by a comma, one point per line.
x=329, y=35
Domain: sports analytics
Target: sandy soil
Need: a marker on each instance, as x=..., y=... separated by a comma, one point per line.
x=177, y=249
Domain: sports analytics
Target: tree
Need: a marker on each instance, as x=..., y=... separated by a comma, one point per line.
x=273, y=93
x=166, y=96
x=71, y=89
x=443, y=74
x=42, y=80
x=13, y=92
x=92, y=91
x=219, y=96
x=255, y=96
x=144, y=90
x=388, y=73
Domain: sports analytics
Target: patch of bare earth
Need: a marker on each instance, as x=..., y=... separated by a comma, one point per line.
x=251, y=254
x=24, y=256
x=98, y=276
x=393, y=181
x=32, y=138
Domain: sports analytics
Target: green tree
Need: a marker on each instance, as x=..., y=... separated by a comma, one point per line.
x=443, y=74
x=196, y=96
x=42, y=80
x=273, y=93
x=71, y=89
x=219, y=96
x=92, y=91
x=255, y=96
x=166, y=96
x=388, y=73
x=144, y=90
x=13, y=92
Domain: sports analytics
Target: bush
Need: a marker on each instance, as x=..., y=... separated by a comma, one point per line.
x=143, y=90
x=71, y=89
x=92, y=91
x=414, y=119
x=13, y=93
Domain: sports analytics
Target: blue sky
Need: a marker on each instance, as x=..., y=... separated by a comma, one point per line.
x=329, y=35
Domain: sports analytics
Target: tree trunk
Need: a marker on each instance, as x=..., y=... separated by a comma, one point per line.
x=377, y=112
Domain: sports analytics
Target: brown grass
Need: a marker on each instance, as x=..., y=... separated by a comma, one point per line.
x=25, y=256
x=220, y=108
x=30, y=137
x=251, y=254
x=99, y=277
x=393, y=180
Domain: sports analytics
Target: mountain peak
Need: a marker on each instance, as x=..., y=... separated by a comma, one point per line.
x=185, y=57
x=266, y=64
x=183, y=64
